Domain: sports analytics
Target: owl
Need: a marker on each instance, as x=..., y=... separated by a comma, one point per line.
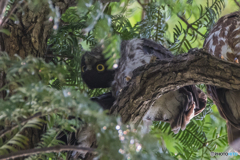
x=136, y=53
x=176, y=107
x=223, y=41
x=94, y=69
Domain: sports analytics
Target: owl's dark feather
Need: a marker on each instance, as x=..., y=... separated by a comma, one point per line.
x=93, y=77
x=96, y=80
x=105, y=100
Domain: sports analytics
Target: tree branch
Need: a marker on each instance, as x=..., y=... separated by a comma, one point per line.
x=190, y=26
x=151, y=81
x=3, y=5
x=237, y=3
x=10, y=12
x=58, y=148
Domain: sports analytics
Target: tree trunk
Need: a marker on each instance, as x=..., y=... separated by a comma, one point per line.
x=28, y=36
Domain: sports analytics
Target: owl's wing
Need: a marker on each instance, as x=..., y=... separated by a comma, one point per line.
x=195, y=103
x=224, y=107
x=199, y=98
x=151, y=47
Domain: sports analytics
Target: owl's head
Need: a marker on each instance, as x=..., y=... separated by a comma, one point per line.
x=94, y=70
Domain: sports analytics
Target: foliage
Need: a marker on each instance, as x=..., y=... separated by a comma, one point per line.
x=57, y=91
x=31, y=78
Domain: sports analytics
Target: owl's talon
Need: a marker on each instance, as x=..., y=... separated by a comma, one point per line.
x=236, y=60
x=221, y=56
x=128, y=78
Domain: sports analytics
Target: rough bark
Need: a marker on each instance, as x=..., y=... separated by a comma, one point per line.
x=151, y=81
x=29, y=34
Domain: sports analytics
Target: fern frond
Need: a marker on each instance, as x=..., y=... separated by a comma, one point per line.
x=49, y=138
x=17, y=141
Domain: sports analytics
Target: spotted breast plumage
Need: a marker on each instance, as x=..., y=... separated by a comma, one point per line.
x=224, y=41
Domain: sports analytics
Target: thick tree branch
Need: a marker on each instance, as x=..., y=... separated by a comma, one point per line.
x=151, y=81
x=44, y=150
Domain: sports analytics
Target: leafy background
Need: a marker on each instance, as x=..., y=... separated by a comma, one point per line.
x=57, y=91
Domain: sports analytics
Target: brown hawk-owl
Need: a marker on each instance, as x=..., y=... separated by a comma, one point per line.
x=224, y=41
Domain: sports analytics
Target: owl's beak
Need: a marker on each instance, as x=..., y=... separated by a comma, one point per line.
x=88, y=68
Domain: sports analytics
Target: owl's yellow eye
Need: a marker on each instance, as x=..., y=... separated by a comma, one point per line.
x=100, y=67
x=83, y=68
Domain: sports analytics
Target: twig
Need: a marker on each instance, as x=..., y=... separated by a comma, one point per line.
x=58, y=148
x=190, y=26
x=215, y=2
x=5, y=19
x=237, y=3
x=4, y=132
x=3, y=5
x=89, y=28
x=184, y=38
x=157, y=25
x=143, y=8
x=142, y=4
